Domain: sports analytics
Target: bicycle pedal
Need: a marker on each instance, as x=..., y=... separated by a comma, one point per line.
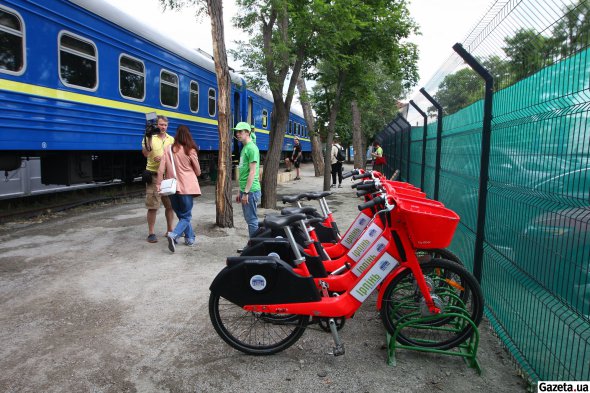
x=337, y=350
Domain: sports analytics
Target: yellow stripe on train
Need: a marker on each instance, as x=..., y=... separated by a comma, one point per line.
x=46, y=92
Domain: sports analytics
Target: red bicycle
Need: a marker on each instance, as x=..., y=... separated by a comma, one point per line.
x=261, y=305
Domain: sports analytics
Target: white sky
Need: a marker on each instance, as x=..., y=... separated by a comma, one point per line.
x=442, y=23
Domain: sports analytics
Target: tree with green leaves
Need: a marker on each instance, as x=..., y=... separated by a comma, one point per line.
x=223, y=189
x=572, y=32
x=363, y=32
x=282, y=33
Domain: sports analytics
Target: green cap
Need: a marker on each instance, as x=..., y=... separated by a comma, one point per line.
x=242, y=126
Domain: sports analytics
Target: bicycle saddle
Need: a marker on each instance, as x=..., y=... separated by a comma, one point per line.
x=317, y=195
x=296, y=210
x=293, y=198
x=277, y=222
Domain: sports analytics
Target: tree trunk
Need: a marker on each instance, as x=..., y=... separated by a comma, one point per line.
x=357, y=135
x=331, y=130
x=224, y=215
x=278, y=121
x=316, y=146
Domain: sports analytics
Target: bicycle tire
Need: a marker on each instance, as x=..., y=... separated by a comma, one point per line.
x=254, y=333
x=401, y=303
x=441, y=253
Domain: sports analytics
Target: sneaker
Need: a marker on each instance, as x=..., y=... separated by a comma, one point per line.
x=339, y=185
x=297, y=178
x=152, y=238
x=175, y=240
x=333, y=186
x=189, y=243
x=171, y=243
x=287, y=170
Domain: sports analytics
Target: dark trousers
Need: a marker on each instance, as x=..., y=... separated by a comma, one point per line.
x=337, y=170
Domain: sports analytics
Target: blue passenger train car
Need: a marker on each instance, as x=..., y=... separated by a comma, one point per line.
x=77, y=78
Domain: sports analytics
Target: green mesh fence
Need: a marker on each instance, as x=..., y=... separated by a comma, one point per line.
x=536, y=252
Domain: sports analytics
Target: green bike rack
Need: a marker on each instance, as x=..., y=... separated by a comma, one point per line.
x=459, y=318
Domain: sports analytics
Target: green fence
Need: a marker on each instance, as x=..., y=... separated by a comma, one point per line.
x=535, y=264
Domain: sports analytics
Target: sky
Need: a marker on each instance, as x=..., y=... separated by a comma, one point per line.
x=442, y=23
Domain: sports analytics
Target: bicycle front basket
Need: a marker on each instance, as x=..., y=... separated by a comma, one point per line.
x=428, y=225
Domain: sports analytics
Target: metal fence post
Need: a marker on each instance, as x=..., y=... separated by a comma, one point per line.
x=424, y=135
x=408, y=129
x=438, y=140
x=485, y=156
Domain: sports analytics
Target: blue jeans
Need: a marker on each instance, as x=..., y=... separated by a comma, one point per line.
x=249, y=211
x=183, y=207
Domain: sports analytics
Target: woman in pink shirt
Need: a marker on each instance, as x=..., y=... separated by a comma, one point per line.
x=186, y=162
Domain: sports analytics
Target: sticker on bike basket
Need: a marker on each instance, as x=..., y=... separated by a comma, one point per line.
x=257, y=282
x=357, y=227
x=368, y=238
x=374, y=277
x=369, y=256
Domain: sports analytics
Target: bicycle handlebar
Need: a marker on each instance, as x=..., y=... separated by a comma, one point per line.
x=366, y=186
x=350, y=173
x=362, y=193
x=371, y=203
x=361, y=176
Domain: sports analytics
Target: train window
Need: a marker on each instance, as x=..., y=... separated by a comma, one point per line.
x=78, y=65
x=194, y=97
x=131, y=78
x=250, y=106
x=290, y=127
x=212, y=102
x=168, y=89
x=264, y=118
x=12, y=58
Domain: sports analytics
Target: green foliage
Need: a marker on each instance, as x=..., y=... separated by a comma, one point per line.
x=362, y=50
x=527, y=52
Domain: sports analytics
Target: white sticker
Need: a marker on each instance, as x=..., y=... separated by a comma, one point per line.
x=370, y=256
x=355, y=230
x=258, y=282
x=363, y=244
x=374, y=276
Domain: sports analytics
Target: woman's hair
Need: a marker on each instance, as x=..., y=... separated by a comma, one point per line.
x=184, y=138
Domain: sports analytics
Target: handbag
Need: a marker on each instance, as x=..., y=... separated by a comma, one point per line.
x=168, y=186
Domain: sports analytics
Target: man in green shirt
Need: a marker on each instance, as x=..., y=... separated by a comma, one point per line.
x=248, y=170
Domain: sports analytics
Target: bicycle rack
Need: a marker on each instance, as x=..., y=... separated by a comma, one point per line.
x=459, y=317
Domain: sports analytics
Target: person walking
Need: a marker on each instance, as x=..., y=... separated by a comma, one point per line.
x=153, y=149
x=248, y=175
x=336, y=161
x=182, y=162
x=296, y=157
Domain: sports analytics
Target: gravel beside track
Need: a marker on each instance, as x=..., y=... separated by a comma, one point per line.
x=89, y=306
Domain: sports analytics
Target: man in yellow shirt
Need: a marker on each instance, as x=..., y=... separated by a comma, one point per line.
x=154, y=152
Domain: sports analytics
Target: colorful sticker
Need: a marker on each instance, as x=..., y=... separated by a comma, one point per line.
x=370, y=256
x=257, y=282
x=363, y=244
x=374, y=276
x=357, y=227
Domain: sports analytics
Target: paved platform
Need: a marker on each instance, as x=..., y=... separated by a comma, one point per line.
x=87, y=305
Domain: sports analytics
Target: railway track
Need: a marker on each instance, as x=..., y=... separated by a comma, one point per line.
x=39, y=205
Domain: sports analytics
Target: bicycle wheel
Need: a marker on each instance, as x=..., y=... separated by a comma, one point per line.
x=454, y=290
x=254, y=333
x=425, y=255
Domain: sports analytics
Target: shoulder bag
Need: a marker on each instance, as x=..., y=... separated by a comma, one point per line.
x=168, y=186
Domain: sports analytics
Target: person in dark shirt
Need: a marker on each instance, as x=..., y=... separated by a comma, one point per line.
x=296, y=157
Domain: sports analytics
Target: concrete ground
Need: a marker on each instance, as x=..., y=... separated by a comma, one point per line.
x=87, y=305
